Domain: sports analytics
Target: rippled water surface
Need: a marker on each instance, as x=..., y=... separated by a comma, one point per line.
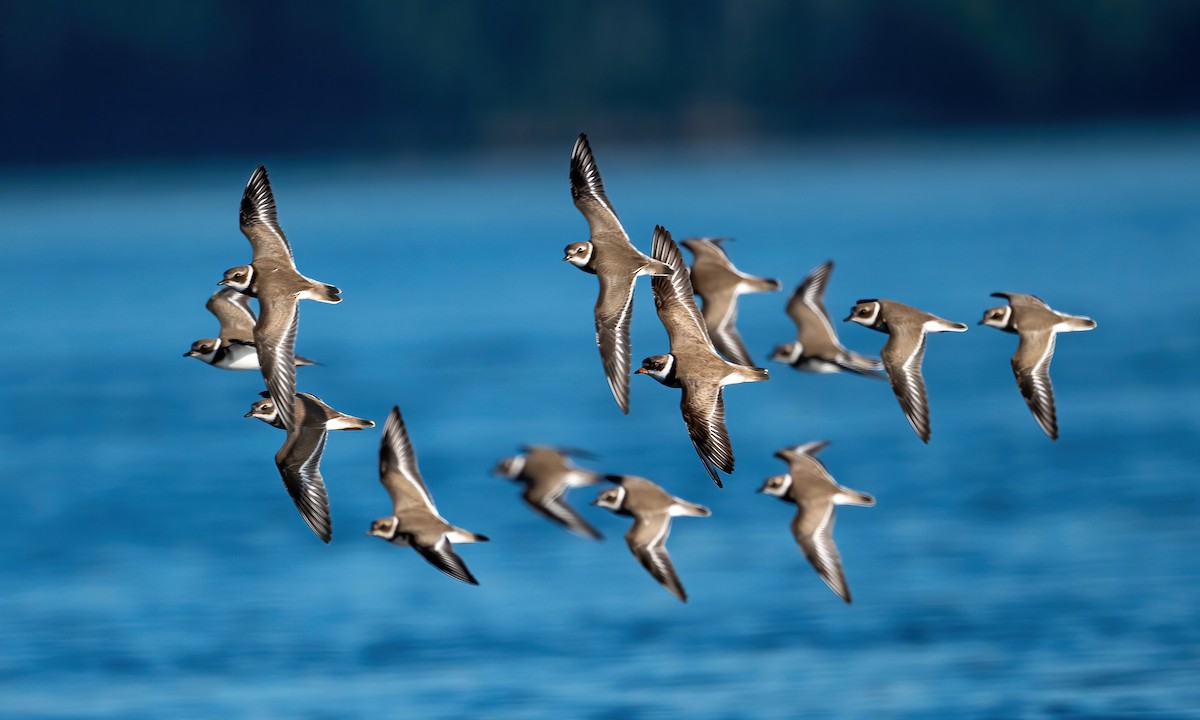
x=153, y=566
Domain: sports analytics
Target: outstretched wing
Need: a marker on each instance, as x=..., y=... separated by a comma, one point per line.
x=260, y=223
x=613, y=316
x=398, y=469
x=275, y=343
x=703, y=410
x=1022, y=299
x=232, y=310
x=647, y=539
x=1031, y=366
x=554, y=507
x=813, y=528
x=902, y=356
x=299, y=463
x=720, y=315
x=587, y=190
x=441, y=555
x=674, y=298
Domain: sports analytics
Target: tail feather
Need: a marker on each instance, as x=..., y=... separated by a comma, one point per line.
x=1077, y=323
x=583, y=478
x=683, y=508
x=302, y=361
x=757, y=284
x=854, y=497
x=349, y=422
x=656, y=267
x=861, y=364
x=460, y=535
x=323, y=292
x=750, y=374
x=941, y=325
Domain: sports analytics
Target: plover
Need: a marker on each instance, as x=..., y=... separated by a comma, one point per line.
x=234, y=349
x=614, y=260
x=903, y=352
x=1036, y=324
x=415, y=521
x=651, y=508
x=693, y=363
x=299, y=463
x=718, y=283
x=817, y=348
x=814, y=492
x=547, y=474
x=264, y=410
x=272, y=277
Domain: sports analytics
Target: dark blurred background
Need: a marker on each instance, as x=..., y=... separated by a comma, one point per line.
x=134, y=80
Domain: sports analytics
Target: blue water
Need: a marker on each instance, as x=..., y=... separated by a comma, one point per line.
x=152, y=565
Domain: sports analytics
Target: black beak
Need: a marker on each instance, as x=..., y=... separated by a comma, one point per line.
x=188, y=353
x=249, y=414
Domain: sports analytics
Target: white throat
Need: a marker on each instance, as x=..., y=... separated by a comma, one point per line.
x=513, y=466
x=790, y=355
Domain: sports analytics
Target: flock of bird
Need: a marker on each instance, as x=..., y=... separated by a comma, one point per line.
x=706, y=353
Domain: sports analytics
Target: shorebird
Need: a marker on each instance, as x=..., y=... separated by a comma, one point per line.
x=234, y=348
x=693, y=363
x=548, y=474
x=817, y=348
x=272, y=277
x=903, y=352
x=415, y=521
x=614, y=260
x=718, y=283
x=1036, y=324
x=651, y=508
x=814, y=492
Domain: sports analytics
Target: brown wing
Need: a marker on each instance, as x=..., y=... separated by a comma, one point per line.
x=398, y=469
x=703, y=410
x=813, y=529
x=260, y=223
x=1031, y=366
x=299, y=463
x=647, y=539
x=675, y=300
x=720, y=316
x=1016, y=299
x=613, y=317
x=902, y=356
x=275, y=343
x=806, y=308
x=441, y=555
x=232, y=310
x=553, y=506
x=587, y=190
